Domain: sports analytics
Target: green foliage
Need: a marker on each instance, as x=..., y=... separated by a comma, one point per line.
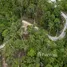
x=31, y=52
x=34, y=49
x=63, y=5
x=48, y=65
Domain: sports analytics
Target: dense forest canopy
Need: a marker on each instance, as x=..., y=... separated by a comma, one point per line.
x=33, y=49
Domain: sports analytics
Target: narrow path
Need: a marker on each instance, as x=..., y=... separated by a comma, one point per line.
x=3, y=45
x=4, y=64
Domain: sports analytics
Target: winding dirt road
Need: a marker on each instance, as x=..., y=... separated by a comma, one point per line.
x=55, y=38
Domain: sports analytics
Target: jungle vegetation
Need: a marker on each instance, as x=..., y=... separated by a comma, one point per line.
x=34, y=49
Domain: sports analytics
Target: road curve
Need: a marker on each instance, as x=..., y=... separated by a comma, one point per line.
x=55, y=38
